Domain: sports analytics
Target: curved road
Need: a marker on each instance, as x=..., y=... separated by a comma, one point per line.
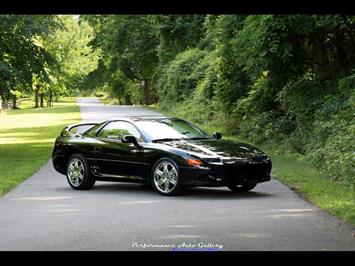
x=44, y=213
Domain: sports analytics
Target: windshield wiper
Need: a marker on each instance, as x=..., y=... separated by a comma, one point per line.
x=165, y=139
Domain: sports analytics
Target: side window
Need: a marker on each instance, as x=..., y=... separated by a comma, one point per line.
x=116, y=130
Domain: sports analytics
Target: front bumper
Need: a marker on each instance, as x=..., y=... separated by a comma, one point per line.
x=224, y=175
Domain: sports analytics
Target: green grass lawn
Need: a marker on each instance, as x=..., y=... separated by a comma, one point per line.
x=335, y=198
x=27, y=136
x=291, y=169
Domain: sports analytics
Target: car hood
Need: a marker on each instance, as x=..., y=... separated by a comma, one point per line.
x=228, y=151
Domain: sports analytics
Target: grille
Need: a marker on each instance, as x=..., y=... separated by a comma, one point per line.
x=248, y=171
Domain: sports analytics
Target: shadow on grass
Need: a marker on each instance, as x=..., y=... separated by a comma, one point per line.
x=31, y=133
x=54, y=110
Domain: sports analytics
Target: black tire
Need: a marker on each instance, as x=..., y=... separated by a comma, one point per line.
x=177, y=190
x=242, y=188
x=88, y=180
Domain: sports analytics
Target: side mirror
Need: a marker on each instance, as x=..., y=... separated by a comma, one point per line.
x=130, y=139
x=217, y=135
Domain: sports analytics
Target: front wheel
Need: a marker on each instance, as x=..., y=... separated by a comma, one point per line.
x=165, y=177
x=78, y=174
x=242, y=188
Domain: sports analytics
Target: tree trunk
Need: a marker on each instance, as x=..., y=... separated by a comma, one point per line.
x=50, y=101
x=5, y=103
x=14, y=100
x=41, y=99
x=36, y=99
x=128, y=99
x=147, y=93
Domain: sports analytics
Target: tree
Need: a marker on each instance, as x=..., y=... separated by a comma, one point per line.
x=129, y=48
x=20, y=56
x=75, y=57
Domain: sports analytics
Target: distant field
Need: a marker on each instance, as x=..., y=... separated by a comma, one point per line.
x=27, y=136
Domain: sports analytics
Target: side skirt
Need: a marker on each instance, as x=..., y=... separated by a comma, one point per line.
x=118, y=178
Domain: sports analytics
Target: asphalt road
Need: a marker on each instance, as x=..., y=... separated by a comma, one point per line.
x=44, y=213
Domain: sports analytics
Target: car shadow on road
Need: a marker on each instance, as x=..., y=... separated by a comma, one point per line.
x=195, y=193
x=223, y=193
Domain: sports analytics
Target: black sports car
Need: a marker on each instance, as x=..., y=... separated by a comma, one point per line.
x=167, y=153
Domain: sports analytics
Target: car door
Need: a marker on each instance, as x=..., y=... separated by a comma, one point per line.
x=115, y=158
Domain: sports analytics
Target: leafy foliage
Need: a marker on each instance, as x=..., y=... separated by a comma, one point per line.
x=176, y=33
x=74, y=56
x=180, y=76
x=129, y=56
x=20, y=55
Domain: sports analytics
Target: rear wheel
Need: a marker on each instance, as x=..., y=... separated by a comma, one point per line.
x=242, y=188
x=78, y=174
x=165, y=177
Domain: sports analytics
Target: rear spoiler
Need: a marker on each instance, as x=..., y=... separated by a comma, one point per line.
x=67, y=130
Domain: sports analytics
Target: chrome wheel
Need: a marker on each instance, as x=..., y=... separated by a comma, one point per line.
x=76, y=172
x=165, y=177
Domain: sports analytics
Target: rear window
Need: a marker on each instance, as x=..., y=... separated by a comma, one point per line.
x=91, y=132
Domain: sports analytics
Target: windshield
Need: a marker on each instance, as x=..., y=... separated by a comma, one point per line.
x=170, y=129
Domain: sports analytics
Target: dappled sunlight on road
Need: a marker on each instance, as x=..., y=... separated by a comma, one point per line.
x=182, y=226
x=90, y=112
x=62, y=210
x=252, y=235
x=134, y=202
x=286, y=215
x=43, y=198
x=289, y=210
x=180, y=236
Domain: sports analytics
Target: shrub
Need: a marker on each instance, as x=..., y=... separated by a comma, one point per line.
x=99, y=94
x=180, y=77
x=331, y=144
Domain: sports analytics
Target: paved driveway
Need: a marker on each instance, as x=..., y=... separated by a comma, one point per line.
x=44, y=213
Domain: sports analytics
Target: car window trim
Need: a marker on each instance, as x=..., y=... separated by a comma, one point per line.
x=119, y=120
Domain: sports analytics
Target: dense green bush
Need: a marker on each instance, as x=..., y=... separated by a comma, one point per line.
x=99, y=94
x=180, y=77
x=200, y=111
x=332, y=142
